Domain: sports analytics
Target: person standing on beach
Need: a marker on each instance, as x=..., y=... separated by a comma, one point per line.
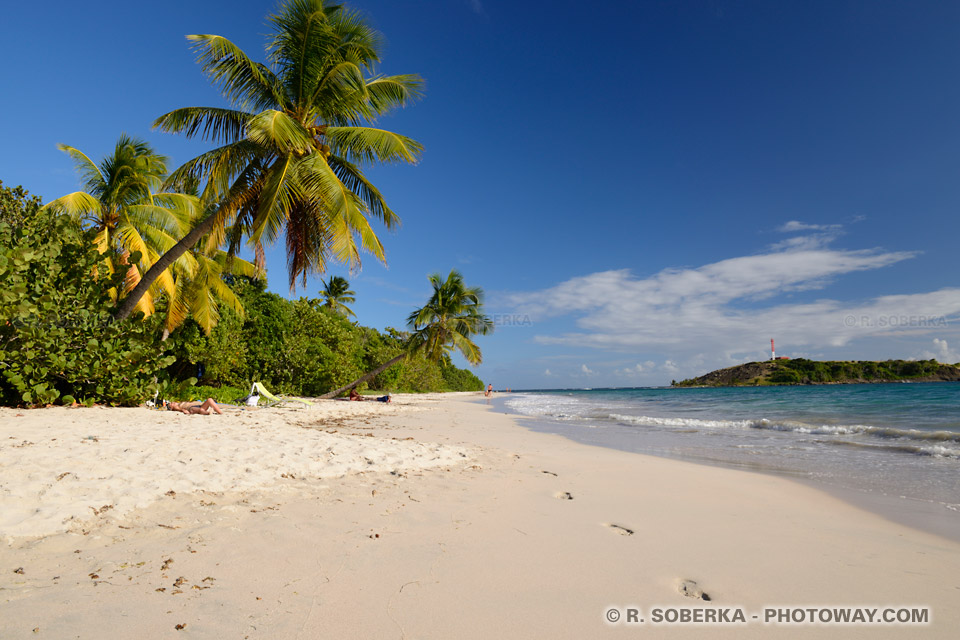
x=489, y=390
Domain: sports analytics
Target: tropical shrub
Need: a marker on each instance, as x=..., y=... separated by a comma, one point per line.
x=57, y=338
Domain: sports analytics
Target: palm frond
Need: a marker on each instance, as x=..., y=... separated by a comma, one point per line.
x=79, y=205
x=279, y=132
x=93, y=180
x=390, y=92
x=353, y=178
x=275, y=201
x=222, y=126
x=241, y=80
x=369, y=145
x=218, y=167
x=343, y=210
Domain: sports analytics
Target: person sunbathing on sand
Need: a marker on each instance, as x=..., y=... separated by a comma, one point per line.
x=194, y=407
x=356, y=397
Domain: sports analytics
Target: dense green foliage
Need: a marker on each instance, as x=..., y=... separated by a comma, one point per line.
x=57, y=341
x=303, y=348
x=802, y=371
x=17, y=206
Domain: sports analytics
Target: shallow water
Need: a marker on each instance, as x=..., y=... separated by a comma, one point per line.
x=872, y=440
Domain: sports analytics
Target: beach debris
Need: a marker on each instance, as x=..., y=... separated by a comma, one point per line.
x=166, y=563
x=93, y=576
x=105, y=507
x=18, y=570
x=564, y=495
x=179, y=581
x=181, y=626
x=171, y=493
x=690, y=589
x=622, y=530
x=549, y=473
x=62, y=476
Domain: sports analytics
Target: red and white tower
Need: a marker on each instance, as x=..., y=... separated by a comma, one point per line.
x=773, y=352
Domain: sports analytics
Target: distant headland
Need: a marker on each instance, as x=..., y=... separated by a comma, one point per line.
x=803, y=371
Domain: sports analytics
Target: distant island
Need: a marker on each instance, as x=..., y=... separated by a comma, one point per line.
x=803, y=371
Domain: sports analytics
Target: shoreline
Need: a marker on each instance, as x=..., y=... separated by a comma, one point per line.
x=928, y=516
x=529, y=535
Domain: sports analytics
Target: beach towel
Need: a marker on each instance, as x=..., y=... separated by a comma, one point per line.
x=258, y=390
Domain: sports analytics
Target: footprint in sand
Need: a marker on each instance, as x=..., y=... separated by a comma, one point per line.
x=690, y=589
x=564, y=495
x=622, y=530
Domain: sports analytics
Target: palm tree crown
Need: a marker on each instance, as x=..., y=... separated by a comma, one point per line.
x=336, y=293
x=452, y=316
x=123, y=203
x=292, y=148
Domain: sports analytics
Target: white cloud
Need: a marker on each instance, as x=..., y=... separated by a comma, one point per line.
x=587, y=371
x=825, y=234
x=727, y=311
x=547, y=372
x=941, y=353
x=804, y=243
x=630, y=372
x=796, y=225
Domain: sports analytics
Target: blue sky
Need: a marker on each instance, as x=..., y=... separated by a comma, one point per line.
x=646, y=190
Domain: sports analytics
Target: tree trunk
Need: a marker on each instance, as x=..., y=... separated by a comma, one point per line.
x=364, y=377
x=129, y=303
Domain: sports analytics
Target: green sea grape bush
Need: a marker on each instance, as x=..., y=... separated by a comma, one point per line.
x=17, y=205
x=58, y=342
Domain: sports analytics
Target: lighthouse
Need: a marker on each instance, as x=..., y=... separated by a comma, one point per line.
x=773, y=352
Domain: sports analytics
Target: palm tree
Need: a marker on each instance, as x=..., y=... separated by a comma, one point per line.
x=123, y=203
x=292, y=149
x=336, y=293
x=449, y=320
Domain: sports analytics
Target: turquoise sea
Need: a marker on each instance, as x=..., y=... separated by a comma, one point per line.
x=896, y=445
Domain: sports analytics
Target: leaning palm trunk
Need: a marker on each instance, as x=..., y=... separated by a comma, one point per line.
x=365, y=377
x=163, y=263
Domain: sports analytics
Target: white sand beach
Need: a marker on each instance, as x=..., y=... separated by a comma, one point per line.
x=433, y=517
